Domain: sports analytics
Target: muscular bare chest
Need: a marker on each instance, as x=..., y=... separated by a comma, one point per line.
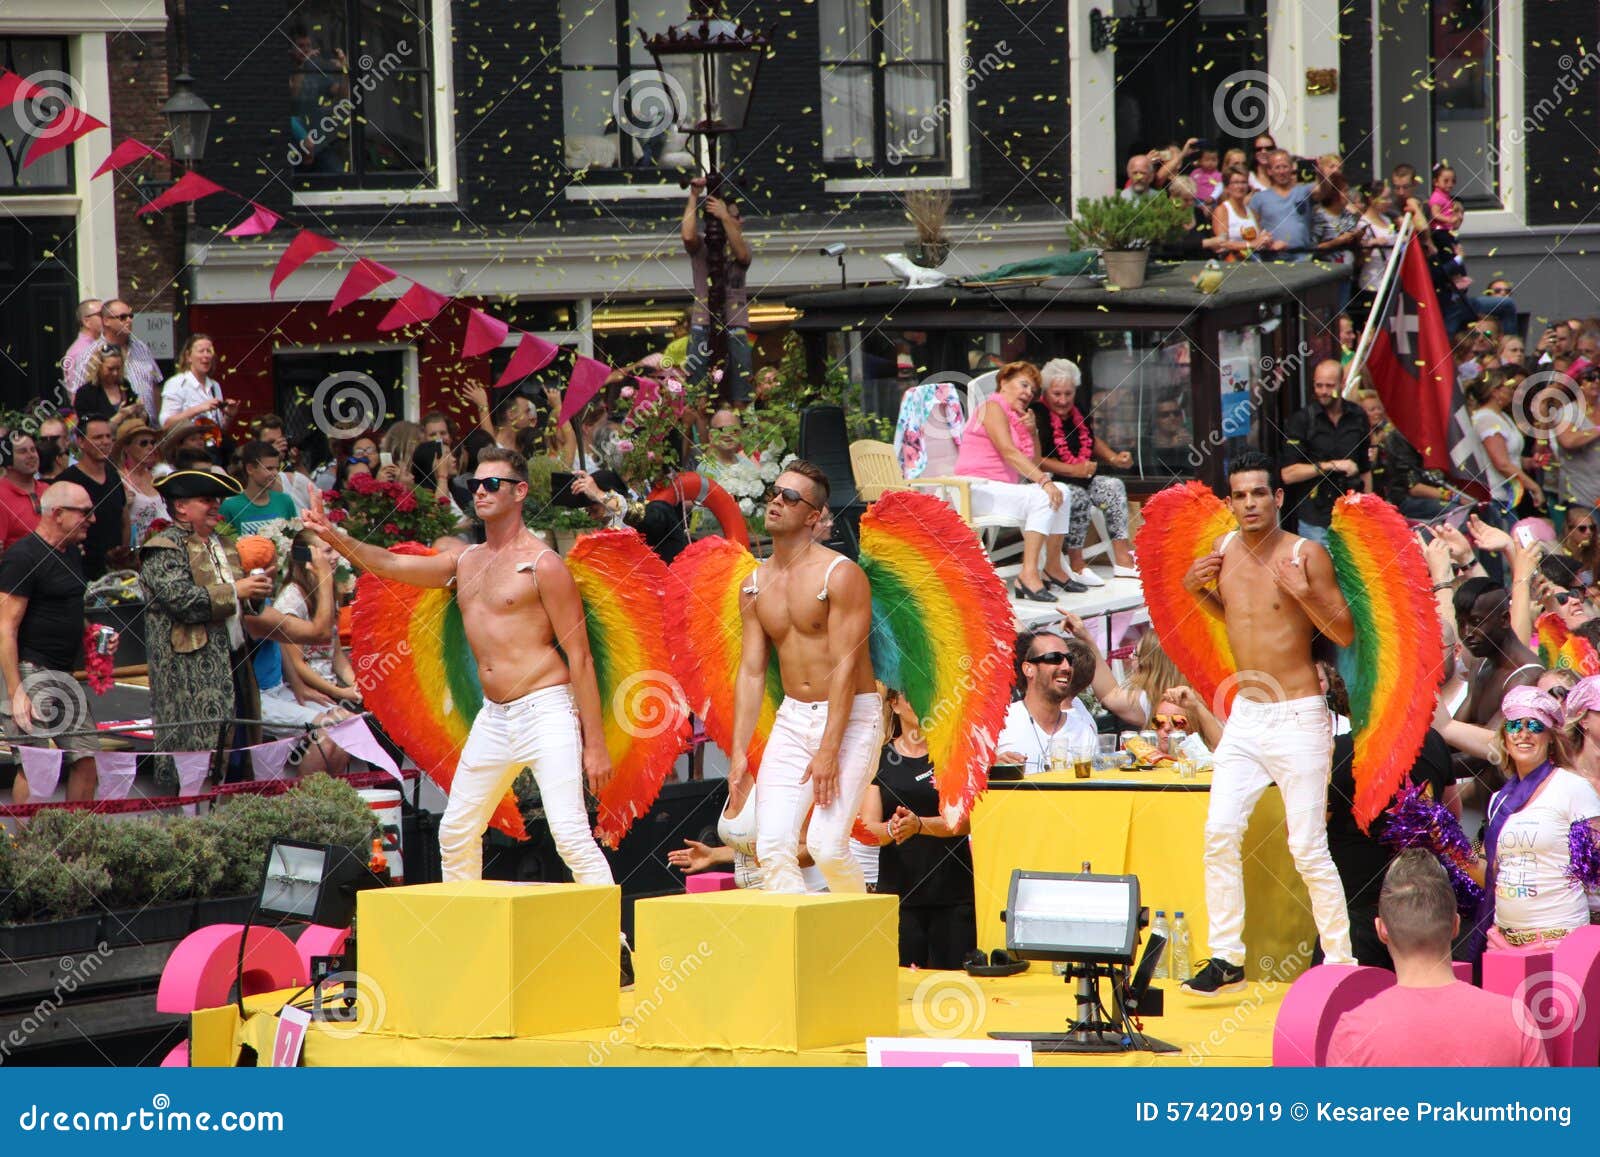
x=786, y=608
x=491, y=587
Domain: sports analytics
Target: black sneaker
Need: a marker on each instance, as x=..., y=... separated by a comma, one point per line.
x=1215, y=978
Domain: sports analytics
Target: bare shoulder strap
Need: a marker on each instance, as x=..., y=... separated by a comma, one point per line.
x=822, y=596
x=755, y=580
x=533, y=567
x=1299, y=545
x=461, y=556
x=1227, y=540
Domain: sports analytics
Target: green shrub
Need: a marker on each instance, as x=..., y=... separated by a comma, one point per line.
x=50, y=886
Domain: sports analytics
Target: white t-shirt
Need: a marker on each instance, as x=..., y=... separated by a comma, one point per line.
x=318, y=656
x=1022, y=735
x=1489, y=422
x=183, y=391
x=1531, y=890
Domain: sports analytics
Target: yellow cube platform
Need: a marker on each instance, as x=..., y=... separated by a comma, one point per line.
x=488, y=959
x=747, y=970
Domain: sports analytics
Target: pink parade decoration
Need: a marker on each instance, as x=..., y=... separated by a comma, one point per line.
x=303, y=248
x=484, y=333
x=70, y=124
x=417, y=306
x=587, y=377
x=190, y=187
x=125, y=154
x=364, y=277
x=260, y=222
x=531, y=355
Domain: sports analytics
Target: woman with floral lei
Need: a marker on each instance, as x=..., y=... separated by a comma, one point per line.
x=1073, y=454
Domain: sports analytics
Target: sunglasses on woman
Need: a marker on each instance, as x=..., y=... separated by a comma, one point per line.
x=1180, y=721
x=1562, y=598
x=492, y=485
x=790, y=496
x=1531, y=726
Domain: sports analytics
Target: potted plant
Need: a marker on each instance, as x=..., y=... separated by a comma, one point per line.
x=384, y=513
x=1123, y=231
x=559, y=526
x=927, y=209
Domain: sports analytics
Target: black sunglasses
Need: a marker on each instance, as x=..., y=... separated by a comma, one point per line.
x=1048, y=659
x=790, y=496
x=119, y=316
x=492, y=485
x=1564, y=597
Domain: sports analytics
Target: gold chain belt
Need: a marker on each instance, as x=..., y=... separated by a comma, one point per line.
x=1521, y=939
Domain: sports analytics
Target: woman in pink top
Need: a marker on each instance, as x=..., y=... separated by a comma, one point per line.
x=999, y=455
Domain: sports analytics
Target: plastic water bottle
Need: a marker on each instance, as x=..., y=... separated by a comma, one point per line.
x=1159, y=928
x=1179, y=952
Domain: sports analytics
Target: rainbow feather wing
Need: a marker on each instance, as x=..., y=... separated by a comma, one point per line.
x=942, y=634
x=624, y=584
x=1559, y=647
x=1182, y=524
x=1392, y=667
x=410, y=644
x=707, y=636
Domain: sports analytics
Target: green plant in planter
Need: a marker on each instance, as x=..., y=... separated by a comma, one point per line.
x=559, y=518
x=1113, y=223
x=319, y=810
x=50, y=886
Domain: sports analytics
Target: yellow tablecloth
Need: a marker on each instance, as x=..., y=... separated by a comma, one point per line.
x=1151, y=825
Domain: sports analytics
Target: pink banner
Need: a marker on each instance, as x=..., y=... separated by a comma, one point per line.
x=190, y=187
x=70, y=124
x=365, y=276
x=588, y=376
x=417, y=306
x=261, y=221
x=269, y=759
x=303, y=248
x=531, y=355
x=354, y=736
x=14, y=88
x=41, y=767
x=115, y=770
x=125, y=154
x=484, y=333
x=193, y=766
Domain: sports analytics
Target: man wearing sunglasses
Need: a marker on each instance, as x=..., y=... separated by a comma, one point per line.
x=813, y=606
x=1273, y=592
x=20, y=489
x=139, y=369
x=1052, y=669
x=41, y=638
x=518, y=605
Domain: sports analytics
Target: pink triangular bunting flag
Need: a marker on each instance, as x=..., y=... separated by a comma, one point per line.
x=190, y=187
x=484, y=333
x=354, y=736
x=115, y=770
x=365, y=276
x=269, y=759
x=41, y=767
x=303, y=248
x=531, y=355
x=70, y=124
x=261, y=221
x=125, y=154
x=588, y=376
x=193, y=767
x=14, y=88
x=417, y=306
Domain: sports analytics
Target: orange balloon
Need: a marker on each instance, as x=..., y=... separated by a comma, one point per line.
x=257, y=553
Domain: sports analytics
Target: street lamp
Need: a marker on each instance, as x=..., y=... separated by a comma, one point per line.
x=712, y=61
x=189, y=119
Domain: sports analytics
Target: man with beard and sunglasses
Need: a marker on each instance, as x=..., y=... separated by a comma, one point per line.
x=518, y=604
x=1053, y=669
x=814, y=608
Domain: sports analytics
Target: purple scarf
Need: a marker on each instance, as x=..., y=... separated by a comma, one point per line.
x=1505, y=803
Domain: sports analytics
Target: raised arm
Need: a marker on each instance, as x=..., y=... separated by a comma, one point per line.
x=565, y=607
x=418, y=570
x=690, y=228
x=1310, y=581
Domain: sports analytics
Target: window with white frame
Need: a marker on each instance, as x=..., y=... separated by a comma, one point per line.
x=1461, y=93
x=44, y=62
x=885, y=86
x=361, y=94
x=619, y=112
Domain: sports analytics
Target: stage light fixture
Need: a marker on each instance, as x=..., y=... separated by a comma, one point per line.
x=316, y=883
